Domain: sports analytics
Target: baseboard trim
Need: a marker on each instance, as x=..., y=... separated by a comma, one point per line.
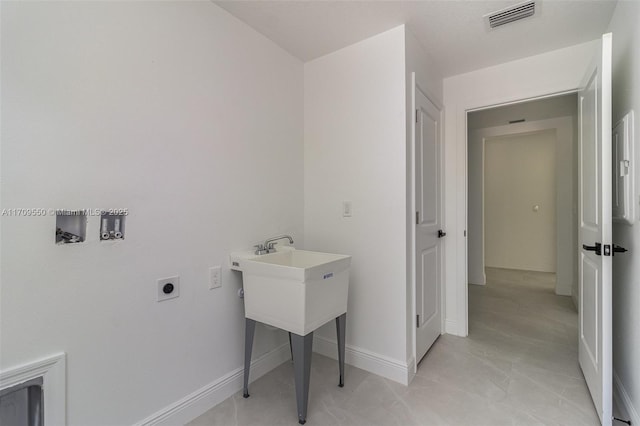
x=622, y=399
x=374, y=363
x=210, y=395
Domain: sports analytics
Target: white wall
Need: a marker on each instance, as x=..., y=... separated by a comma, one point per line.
x=192, y=121
x=421, y=67
x=626, y=267
x=549, y=73
x=355, y=150
x=520, y=173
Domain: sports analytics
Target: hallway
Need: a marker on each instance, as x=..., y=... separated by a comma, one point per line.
x=517, y=367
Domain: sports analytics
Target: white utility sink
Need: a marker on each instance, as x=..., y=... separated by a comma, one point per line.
x=295, y=290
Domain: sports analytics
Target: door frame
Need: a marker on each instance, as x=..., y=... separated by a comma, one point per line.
x=411, y=259
x=462, y=282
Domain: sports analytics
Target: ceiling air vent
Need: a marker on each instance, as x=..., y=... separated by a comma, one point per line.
x=511, y=14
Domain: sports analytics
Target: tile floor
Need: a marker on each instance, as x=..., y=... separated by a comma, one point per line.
x=517, y=367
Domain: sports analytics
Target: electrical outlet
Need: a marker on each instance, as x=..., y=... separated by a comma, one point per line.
x=168, y=288
x=346, y=209
x=215, y=277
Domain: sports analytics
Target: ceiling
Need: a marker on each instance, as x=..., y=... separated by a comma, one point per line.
x=452, y=32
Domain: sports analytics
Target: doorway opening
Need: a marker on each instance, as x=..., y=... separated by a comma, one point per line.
x=522, y=206
x=523, y=190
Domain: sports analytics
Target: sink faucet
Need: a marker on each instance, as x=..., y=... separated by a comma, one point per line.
x=269, y=244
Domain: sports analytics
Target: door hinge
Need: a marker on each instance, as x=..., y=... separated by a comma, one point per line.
x=606, y=250
x=465, y=232
x=416, y=115
x=417, y=218
x=418, y=321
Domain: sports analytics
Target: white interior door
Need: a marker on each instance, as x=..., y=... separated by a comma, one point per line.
x=428, y=224
x=594, y=109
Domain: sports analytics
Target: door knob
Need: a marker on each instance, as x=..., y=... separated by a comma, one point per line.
x=597, y=248
x=607, y=249
x=441, y=233
x=618, y=249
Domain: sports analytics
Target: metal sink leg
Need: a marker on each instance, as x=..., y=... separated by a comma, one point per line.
x=249, y=331
x=302, y=348
x=341, y=325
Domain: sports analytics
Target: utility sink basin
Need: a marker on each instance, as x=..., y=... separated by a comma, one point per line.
x=295, y=290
